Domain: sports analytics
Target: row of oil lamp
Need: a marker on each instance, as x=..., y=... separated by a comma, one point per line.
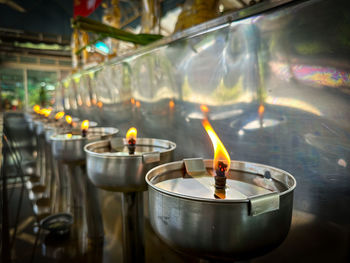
x=212, y=208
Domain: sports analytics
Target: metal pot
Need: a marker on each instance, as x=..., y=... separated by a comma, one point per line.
x=119, y=171
x=240, y=226
x=70, y=148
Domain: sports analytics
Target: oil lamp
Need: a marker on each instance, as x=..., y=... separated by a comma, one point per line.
x=80, y=199
x=236, y=209
x=84, y=128
x=120, y=165
x=221, y=163
x=69, y=120
x=131, y=139
x=59, y=115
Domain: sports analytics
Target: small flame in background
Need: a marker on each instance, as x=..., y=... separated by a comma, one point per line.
x=47, y=112
x=261, y=111
x=131, y=135
x=220, y=152
x=132, y=101
x=85, y=125
x=68, y=119
x=99, y=104
x=171, y=104
x=138, y=104
x=204, y=108
x=36, y=108
x=69, y=135
x=59, y=115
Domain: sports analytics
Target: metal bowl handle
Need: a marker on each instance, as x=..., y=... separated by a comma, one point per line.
x=264, y=203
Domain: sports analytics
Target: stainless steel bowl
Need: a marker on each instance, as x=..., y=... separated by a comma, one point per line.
x=189, y=218
x=116, y=170
x=71, y=148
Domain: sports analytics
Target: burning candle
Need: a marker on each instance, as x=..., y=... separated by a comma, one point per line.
x=84, y=127
x=69, y=120
x=261, y=111
x=59, y=115
x=36, y=109
x=171, y=104
x=131, y=139
x=221, y=162
x=204, y=108
x=99, y=104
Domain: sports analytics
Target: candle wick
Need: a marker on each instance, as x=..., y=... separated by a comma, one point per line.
x=131, y=145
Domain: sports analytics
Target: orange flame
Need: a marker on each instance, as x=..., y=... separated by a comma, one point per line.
x=138, y=104
x=171, y=104
x=132, y=101
x=261, y=110
x=36, y=108
x=220, y=152
x=131, y=134
x=68, y=119
x=59, y=115
x=85, y=125
x=99, y=104
x=204, y=108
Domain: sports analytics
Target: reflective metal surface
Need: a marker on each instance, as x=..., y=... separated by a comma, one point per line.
x=112, y=168
x=285, y=59
x=70, y=148
x=228, y=228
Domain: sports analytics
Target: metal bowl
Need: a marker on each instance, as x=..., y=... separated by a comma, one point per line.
x=110, y=167
x=254, y=218
x=71, y=148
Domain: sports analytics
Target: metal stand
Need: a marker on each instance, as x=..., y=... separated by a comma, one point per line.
x=93, y=211
x=133, y=225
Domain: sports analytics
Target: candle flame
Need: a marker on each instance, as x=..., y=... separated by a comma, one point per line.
x=59, y=115
x=204, y=108
x=99, y=104
x=36, y=108
x=131, y=135
x=85, y=125
x=220, y=152
x=68, y=119
x=261, y=110
x=46, y=112
x=171, y=104
x=138, y=104
x=132, y=101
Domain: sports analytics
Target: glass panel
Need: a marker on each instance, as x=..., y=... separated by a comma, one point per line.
x=41, y=87
x=12, y=89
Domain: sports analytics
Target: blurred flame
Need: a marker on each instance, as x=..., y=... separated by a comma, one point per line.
x=220, y=152
x=204, y=108
x=138, y=104
x=59, y=115
x=47, y=112
x=68, y=119
x=261, y=110
x=36, y=108
x=100, y=104
x=93, y=101
x=69, y=135
x=132, y=101
x=85, y=125
x=171, y=104
x=131, y=134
